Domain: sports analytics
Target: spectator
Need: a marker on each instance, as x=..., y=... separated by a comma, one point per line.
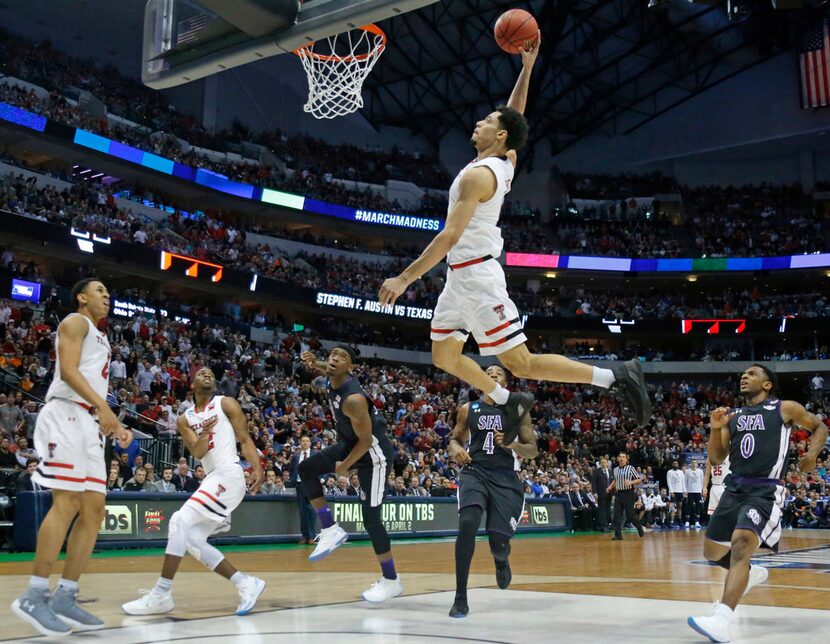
x=165, y=484
x=24, y=481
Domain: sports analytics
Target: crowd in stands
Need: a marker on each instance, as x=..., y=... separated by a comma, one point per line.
x=161, y=129
x=743, y=221
x=754, y=221
x=752, y=304
x=154, y=362
x=605, y=187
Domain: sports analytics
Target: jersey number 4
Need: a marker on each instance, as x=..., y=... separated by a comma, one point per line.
x=105, y=372
x=489, y=443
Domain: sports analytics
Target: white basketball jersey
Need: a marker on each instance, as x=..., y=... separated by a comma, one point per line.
x=94, y=365
x=720, y=472
x=482, y=235
x=222, y=447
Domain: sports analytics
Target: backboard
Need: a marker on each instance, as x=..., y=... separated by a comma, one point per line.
x=185, y=40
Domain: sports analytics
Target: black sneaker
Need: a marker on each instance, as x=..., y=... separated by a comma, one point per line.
x=616, y=538
x=518, y=405
x=630, y=380
x=459, y=608
x=503, y=574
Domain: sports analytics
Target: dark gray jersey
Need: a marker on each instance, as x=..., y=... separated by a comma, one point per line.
x=759, y=441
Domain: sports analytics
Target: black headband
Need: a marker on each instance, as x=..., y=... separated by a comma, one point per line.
x=352, y=353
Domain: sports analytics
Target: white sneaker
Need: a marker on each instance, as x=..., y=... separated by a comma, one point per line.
x=328, y=540
x=686, y=525
x=697, y=524
x=716, y=627
x=249, y=591
x=383, y=589
x=151, y=602
x=757, y=575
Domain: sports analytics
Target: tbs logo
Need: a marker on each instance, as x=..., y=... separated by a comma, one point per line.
x=540, y=515
x=118, y=519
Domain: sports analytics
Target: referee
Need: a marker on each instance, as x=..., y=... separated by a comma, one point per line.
x=625, y=480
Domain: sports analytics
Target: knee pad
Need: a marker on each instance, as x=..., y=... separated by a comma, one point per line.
x=202, y=551
x=499, y=545
x=177, y=534
x=469, y=519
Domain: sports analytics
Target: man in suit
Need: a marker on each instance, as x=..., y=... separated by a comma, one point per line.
x=308, y=517
x=354, y=485
x=183, y=480
x=600, y=480
x=165, y=483
x=581, y=517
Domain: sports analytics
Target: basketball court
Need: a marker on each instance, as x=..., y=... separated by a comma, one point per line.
x=582, y=588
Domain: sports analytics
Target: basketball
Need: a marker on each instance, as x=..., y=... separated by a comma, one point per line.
x=515, y=30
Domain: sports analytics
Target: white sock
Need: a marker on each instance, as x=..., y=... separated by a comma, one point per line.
x=238, y=577
x=39, y=583
x=67, y=585
x=499, y=394
x=602, y=377
x=163, y=585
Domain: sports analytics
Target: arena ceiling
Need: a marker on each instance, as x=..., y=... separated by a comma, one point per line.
x=606, y=66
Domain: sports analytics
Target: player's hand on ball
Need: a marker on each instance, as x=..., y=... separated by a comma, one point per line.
x=530, y=54
x=719, y=418
x=391, y=290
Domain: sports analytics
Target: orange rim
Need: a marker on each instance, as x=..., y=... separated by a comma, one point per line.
x=305, y=50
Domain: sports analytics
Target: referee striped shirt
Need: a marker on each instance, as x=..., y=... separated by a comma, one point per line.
x=623, y=476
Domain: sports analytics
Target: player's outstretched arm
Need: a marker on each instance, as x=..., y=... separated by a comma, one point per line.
x=459, y=437
x=794, y=412
x=518, y=98
x=477, y=185
x=233, y=410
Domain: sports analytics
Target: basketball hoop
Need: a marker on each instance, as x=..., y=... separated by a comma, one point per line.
x=336, y=68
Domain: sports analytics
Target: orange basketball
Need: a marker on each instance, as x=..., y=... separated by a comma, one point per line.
x=515, y=30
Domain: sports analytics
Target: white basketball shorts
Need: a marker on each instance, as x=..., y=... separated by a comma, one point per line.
x=715, y=493
x=70, y=448
x=220, y=493
x=475, y=300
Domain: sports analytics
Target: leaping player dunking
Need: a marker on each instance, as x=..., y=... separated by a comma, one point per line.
x=475, y=298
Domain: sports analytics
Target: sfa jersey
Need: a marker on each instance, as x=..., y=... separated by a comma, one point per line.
x=483, y=421
x=345, y=431
x=759, y=441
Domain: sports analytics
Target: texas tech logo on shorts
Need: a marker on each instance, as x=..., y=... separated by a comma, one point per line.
x=500, y=311
x=52, y=447
x=219, y=489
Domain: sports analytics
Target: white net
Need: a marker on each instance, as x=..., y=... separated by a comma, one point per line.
x=336, y=68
